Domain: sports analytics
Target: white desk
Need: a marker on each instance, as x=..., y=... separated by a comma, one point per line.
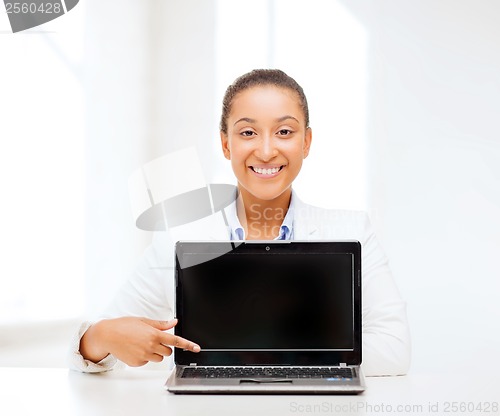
x=140, y=392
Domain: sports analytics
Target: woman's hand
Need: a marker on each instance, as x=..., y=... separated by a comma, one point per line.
x=135, y=341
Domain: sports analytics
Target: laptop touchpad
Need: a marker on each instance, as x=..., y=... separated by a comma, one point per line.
x=264, y=381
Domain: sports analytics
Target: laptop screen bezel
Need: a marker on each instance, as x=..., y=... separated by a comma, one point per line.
x=298, y=358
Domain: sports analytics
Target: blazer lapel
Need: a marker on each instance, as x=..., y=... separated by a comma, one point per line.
x=304, y=226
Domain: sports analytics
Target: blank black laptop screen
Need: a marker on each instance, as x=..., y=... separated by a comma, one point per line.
x=269, y=301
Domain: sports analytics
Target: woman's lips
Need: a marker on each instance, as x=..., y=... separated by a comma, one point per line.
x=267, y=172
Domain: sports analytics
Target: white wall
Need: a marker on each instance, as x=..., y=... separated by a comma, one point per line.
x=149, y=70
x=434, y=168
x=41, y=171
x=116, y=83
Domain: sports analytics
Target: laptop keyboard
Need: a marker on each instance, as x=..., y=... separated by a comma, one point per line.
x=267, y=372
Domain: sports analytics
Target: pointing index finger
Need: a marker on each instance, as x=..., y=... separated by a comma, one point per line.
x=186, y=344
x=179, y=342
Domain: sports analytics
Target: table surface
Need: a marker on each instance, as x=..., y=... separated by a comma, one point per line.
x=40, y=391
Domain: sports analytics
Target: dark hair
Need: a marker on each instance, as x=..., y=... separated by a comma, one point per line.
x=260, y=77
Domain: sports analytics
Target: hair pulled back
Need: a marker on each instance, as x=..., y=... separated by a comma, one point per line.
x=261, y=77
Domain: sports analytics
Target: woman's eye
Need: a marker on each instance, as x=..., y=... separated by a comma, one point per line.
x=247, y=133
x=284, y=132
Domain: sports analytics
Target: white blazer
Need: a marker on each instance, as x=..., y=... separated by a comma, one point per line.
x=386, y=339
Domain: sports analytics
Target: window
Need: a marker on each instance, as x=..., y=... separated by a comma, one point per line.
x=41, y=170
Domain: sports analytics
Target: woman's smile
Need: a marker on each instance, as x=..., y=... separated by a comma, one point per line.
x=266, y=171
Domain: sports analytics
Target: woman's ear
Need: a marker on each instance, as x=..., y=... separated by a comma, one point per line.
x=225, y=145
x=307, y=142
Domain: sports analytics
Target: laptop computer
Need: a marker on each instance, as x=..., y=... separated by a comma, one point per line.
x=270, y=317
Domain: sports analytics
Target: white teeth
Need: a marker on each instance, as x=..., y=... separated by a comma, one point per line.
x=266, y=171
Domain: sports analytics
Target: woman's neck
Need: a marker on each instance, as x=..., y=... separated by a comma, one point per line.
x=262, y=219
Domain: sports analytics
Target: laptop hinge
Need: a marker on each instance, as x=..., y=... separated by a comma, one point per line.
x=343, y=364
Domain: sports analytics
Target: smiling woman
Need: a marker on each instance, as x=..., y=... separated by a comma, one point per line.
x=265, y=135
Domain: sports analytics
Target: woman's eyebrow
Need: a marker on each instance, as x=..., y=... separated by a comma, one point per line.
x=279, y=120
x=248, y=120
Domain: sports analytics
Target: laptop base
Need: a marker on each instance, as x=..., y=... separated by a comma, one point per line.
x=178, y=385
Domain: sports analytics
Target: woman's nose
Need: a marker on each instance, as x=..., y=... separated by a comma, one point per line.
x=267, y=148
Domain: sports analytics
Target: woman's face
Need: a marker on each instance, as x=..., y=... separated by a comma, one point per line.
x=266, y=140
